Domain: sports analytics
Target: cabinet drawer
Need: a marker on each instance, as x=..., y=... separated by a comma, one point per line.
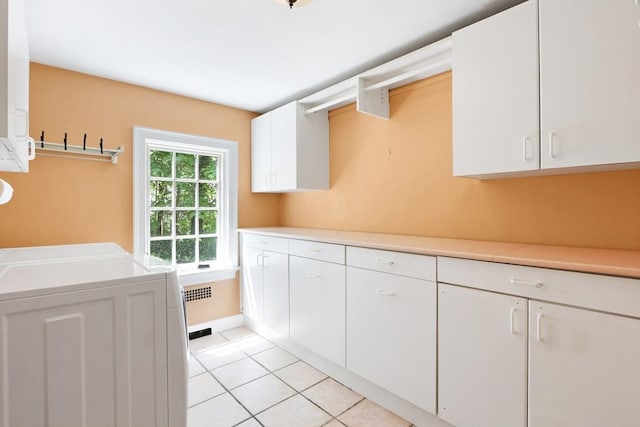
x=595, y=291
x=317, y=250
x=269, y=243
x=404, y=264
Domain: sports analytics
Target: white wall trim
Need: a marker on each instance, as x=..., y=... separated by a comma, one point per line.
x=143, y=138
x=219, y=325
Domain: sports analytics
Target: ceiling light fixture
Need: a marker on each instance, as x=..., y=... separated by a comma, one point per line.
x=290, y=3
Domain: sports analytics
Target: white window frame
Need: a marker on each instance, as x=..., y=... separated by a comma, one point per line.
x=145, y=140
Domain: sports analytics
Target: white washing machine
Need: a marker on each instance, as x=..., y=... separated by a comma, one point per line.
x=90, y=336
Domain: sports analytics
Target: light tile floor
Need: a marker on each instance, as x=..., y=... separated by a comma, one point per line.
x=238, y=378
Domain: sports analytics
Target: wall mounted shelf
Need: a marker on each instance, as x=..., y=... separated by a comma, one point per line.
x=370, y=89
x=77, y=151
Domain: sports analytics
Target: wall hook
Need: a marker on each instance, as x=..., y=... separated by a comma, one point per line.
x=42, y=140
x=101, y=152
x=65, y=141
x=84, y=142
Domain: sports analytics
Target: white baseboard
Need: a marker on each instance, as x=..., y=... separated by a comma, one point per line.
x=219, y=325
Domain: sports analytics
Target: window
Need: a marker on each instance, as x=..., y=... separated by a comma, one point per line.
x=185, y=203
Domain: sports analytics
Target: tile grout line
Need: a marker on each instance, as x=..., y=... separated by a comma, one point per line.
x=269, y=372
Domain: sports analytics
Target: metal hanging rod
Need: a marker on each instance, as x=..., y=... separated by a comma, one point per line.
x=64, y=147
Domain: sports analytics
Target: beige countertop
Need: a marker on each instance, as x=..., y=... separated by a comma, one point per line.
x=615, y=262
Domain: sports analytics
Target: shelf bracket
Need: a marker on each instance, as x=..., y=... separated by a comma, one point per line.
x=374, y=102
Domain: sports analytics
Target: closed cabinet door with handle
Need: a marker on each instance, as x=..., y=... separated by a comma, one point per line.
x=253, y=283
x=589, y=87
x=276, y=293
x=584, y=368
x=482, y=358
x=391, y=333
x=317, y=307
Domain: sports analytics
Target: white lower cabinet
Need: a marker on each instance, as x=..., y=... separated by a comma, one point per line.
x=482, y=358
x=581, y=369
x=252, y=283
x=584, y=368
x=391, y=333
x=317, y=307
x=265, y=283
x=276, y=293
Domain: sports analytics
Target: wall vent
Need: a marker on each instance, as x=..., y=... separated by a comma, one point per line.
x=197, y=294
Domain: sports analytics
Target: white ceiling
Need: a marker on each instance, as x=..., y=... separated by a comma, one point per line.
x=250, y=54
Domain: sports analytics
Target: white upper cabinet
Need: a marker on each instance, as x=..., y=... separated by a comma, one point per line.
x=589, y=87
x=546, y=87
x=15, y=148
x=495, y=94
x=290, y=150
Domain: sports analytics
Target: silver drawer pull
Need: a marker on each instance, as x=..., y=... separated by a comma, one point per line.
x=385, y=261
x=313, y=276
x=263, y=242
x=525, y=282
x=316, y=250
x=385, y=292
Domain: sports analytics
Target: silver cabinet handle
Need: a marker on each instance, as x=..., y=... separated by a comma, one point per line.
x=385, y=292
x=385, y=261
x=525, y=282
x=512, y=326
x=552, y=145
x=526, y=143
x=539, y=327
x=313, y=275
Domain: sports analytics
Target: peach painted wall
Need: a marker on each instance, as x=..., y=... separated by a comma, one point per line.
x=224, y=302
x=75, y=201
x=395, y=176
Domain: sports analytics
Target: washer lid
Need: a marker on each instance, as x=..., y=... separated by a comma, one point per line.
x=55, y=269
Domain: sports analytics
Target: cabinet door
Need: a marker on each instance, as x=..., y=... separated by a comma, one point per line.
x=584, y=369
x=284, y=138
x=252, y=283
x=14, y=92
x=495, y=94
x=94, y=358
x=391, y=333
x=589, y=91
x=261, y=153
x=276, y=293
x=317, y=307
x=482, y=358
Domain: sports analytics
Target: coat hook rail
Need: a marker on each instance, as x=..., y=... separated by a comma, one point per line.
x=83, y=149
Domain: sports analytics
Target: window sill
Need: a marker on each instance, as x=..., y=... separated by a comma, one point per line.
x=198, y=277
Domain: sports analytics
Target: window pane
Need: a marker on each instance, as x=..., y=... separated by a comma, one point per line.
x=208, y=222
x=185, y=251
x=185, y=194
x=160, y=223
x=160, y=192
x=208, y=195
x=160, y=164
x=208, y=248
x=208, y=168
x=185, y=222
x=161, y=249
x=185, y=165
